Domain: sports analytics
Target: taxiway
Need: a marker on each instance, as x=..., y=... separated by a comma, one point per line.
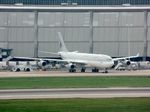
x=67, y=74
x=74, y=93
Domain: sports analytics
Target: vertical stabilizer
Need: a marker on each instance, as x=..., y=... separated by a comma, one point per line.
x=62, y=44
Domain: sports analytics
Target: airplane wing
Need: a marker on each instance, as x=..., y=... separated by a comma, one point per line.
x=125, y=58
x=57, y=60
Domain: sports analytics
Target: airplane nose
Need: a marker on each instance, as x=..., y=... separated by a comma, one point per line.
x=111, y=63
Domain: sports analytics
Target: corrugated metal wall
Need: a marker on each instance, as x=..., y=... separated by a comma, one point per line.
x=80, y=2
x=111, y=32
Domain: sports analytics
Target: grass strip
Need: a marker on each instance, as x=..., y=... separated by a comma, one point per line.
x=73, y=82
x=77, y=105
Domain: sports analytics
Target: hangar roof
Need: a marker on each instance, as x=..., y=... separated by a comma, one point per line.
x=77, y=8
x=79, y=2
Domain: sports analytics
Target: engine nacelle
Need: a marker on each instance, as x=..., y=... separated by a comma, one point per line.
x=42, y=63
x=70, y=66
x=27, y=69
x=16, y=69
x=127, y=62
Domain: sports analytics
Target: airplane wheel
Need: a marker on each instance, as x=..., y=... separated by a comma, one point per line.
x=95, y=70
x=18, y=70
x=106, y=71
x=72, y=70
x=82, y=70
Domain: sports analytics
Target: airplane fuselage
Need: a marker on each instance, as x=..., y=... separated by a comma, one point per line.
x=90, y=60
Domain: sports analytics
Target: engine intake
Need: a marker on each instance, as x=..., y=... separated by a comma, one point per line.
x=16, y=69
x=27, y=69
x=71, y=66
x=127, y=62
x=42, y=63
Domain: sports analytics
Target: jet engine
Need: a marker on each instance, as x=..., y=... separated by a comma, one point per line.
x=71, y=66
x=122, y=64
x=127, y=62
x=27, y=69
x=16, y=69
x=42, y=63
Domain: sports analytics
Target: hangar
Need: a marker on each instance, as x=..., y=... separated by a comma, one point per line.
x=116, y=31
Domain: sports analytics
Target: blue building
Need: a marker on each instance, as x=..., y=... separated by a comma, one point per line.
x=79, y=2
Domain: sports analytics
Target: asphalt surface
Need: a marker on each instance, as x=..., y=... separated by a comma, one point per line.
x=74, y=93
x=67, y=74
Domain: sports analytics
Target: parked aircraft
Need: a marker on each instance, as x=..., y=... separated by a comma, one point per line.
x=85, y=60
x=124, y=63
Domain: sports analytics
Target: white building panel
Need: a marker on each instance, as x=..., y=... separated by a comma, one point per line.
x=63, y=19
x=105, y=34
x=22, y=49
x=148, y=19
x=131, y=34
x=3, y=34
x=109, y=48
x=51, y=18
x=21, y=34
x=77, y=19
x=3, y=18
x=48, y=34
x=3, y=45
x=69, y=34
x=131, y=19
x=132, y=48
x=105, y=19
x=78, y=46
x=76, y=34
x=48, y=47
x=21, y=18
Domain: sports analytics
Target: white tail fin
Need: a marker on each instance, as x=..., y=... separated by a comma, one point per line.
x=62, y=44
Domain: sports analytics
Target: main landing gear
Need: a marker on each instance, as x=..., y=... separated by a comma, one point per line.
x=95, y=70
x=83, y=70
x=72, y=70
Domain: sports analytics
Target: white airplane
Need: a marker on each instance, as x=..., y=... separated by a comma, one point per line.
x=84, y=60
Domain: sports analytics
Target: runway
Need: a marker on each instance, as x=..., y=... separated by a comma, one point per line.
x=74, y=93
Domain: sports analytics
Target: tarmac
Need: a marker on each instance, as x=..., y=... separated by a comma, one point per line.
x=77, y=74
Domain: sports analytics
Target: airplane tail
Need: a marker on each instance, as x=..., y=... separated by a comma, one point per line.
x=62, y=44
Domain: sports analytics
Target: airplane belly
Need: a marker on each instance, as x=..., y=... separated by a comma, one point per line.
x=100, y=64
